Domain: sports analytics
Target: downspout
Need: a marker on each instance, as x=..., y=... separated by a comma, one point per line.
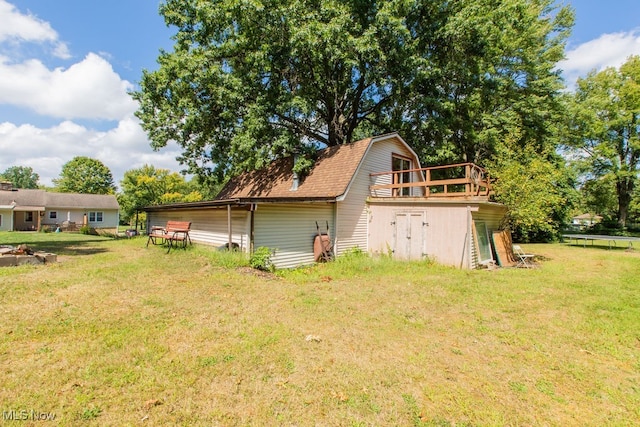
x=335, y=229
x=230, y=247
x=470, y=238
x=252, y=228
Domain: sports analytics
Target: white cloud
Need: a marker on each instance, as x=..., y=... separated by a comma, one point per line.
x=608, y=50
x=17, y=28
x=89, y=89
x=46, y=150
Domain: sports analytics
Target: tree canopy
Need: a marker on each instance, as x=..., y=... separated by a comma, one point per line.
x=147, y=186
x=85, y=175
x=21, y=177
x=605, y=132
x=249, y=81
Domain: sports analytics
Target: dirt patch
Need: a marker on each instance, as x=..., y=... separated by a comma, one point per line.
x=257, y=273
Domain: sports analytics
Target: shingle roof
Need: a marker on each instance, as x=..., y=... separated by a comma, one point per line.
x=329, y=177
x=42, y=198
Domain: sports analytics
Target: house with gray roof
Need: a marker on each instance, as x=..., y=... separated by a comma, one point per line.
x=32, y=210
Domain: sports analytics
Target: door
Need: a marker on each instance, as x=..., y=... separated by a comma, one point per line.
x=410, y=235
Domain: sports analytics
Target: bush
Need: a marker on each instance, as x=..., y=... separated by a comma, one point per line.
x=261, y=259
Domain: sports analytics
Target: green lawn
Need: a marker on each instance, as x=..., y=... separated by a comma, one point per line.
x=116, y=334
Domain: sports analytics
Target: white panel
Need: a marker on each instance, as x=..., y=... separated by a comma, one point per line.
x=5, y=222
x=409, y=235
x=290, y=229
x=208, y=226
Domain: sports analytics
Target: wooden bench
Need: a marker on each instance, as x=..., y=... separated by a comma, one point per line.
x=175, y=234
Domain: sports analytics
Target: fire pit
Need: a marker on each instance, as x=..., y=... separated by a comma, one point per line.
x=23, y=254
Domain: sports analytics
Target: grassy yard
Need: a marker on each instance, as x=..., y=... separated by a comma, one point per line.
x=116, y=334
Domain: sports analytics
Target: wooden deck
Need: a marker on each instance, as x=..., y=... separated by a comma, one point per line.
x=463, y=180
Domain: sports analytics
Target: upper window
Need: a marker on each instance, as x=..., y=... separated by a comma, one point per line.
x=400, y=166
x=95, y=216
x=28, y=217
x=53, y=215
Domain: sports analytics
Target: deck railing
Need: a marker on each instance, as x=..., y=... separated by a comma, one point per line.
x=459, y=180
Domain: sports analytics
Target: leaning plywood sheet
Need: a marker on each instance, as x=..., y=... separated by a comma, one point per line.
x=504, y=248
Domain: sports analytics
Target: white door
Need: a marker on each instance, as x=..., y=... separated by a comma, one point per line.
x=410, y=235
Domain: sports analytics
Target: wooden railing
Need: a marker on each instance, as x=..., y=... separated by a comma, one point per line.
x=459, y=180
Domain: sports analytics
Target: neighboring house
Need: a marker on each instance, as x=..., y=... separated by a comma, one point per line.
x=585, y=220
x=26, y=209
x=372, y=194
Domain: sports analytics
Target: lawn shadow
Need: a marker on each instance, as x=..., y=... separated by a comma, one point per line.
x=67, y=244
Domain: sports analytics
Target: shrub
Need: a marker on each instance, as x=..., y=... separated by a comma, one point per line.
x=261, y=259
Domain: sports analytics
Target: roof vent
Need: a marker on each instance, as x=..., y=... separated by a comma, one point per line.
x=296, y=178
x=295, y=183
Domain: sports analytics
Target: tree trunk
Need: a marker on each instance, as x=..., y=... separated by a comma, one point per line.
x=624, y=188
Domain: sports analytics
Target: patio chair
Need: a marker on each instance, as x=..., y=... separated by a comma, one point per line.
x=523, y=259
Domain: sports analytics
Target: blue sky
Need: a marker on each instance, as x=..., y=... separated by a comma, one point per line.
x=66, y=67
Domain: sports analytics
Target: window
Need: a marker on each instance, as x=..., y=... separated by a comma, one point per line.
x=53, y=215
x=400, y=166
x=95, y=216
x=28, y=217
x=482, y=239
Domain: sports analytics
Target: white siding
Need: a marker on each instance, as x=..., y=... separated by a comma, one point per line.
x=5, y=220
x=109, y=217
x=209, y=226
x=290, y=229
x=352, y=217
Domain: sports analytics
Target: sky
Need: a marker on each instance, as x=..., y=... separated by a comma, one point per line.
x=67, y=66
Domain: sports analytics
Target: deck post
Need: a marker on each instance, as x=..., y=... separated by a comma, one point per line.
x=427, y=180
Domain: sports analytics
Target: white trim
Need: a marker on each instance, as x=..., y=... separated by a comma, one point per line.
x=95, y=216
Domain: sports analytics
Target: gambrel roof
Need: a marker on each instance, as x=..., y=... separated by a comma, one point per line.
x=329, y=177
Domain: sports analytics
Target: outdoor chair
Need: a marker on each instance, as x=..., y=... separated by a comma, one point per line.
x=523, y=259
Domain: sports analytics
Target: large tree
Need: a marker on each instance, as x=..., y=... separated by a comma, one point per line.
x=605, y=129
x=250, y=81
x=486, y=77
x=85, y=175
x=21, y=177
x=147, y=186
